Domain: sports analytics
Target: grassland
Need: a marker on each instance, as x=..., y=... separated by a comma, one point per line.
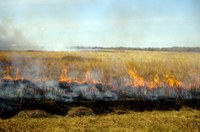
x=106, y=65
x=183, y=120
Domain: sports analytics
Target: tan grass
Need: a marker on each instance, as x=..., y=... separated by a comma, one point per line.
x=183, y=120
x=182, y=66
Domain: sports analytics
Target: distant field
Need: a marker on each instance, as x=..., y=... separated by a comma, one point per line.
x=183, y=120
x=150, y=67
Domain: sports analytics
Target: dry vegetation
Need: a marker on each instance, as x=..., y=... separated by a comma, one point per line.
x=183, y=66
x=183, y=120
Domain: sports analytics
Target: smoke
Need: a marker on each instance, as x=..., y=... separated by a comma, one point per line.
x=51, y=90
x=13, y=38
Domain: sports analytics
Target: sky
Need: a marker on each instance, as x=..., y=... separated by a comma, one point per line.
x=57, y=24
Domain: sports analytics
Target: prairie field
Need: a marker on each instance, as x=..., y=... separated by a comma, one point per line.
x=116, y=67
x=105, y=66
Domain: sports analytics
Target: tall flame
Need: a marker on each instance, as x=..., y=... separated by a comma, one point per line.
x=64, y=77
x=89, y=78
x=137, y=81
x=155, y=83
x=18, y=75
x=172, y=81
x=7, y=73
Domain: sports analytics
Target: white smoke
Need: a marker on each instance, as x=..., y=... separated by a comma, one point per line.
x=13, y=38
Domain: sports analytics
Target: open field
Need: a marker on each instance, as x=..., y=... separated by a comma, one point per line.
x=115, y=70
x=183, y=120
x=106, y=66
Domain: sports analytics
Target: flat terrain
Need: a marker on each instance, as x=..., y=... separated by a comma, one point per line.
x=119, y=68
x=183, y=120
x=105, y=66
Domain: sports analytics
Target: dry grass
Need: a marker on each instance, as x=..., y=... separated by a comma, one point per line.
x=184, y=120
x=80, y=111
x=181, y=65
x=32, y=114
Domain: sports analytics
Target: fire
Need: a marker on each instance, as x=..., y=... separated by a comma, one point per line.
x=155, y=83
x=7, y=73
x=8, y=76
x=18, y=75
x=89, y=78
x=64, y=77
x=137, y=81
x=172, y=81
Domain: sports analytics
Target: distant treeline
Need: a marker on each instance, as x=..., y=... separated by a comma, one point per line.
x=173, y=49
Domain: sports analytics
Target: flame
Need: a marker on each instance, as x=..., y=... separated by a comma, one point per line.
x=172, y=81
x=8, y=76
x=7, y=73
x=137, y=81
x=155, y=83
x=89, y=78
x=18, y=75
x=64, y=77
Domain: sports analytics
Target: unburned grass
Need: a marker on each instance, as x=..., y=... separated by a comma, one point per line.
x=183, y=120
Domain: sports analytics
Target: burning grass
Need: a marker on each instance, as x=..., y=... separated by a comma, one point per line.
x=135, y=68
x=98, y=76
x=102, y=81
x=168, y=74
x=184, y=120
x=114, y=70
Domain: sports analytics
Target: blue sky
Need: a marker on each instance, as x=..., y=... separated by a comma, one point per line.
x=54, y=24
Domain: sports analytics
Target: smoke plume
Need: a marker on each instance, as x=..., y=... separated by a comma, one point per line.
x=12, y=38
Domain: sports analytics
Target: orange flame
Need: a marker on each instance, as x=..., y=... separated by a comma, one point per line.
x=155, y=83
x=8, y=76
x=172, y=81
x=18, y=75
x=64, y=77
x=7, y=73
x=137, y=81
x=89, y=78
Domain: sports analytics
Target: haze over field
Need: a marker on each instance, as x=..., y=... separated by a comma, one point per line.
x=54, y=25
